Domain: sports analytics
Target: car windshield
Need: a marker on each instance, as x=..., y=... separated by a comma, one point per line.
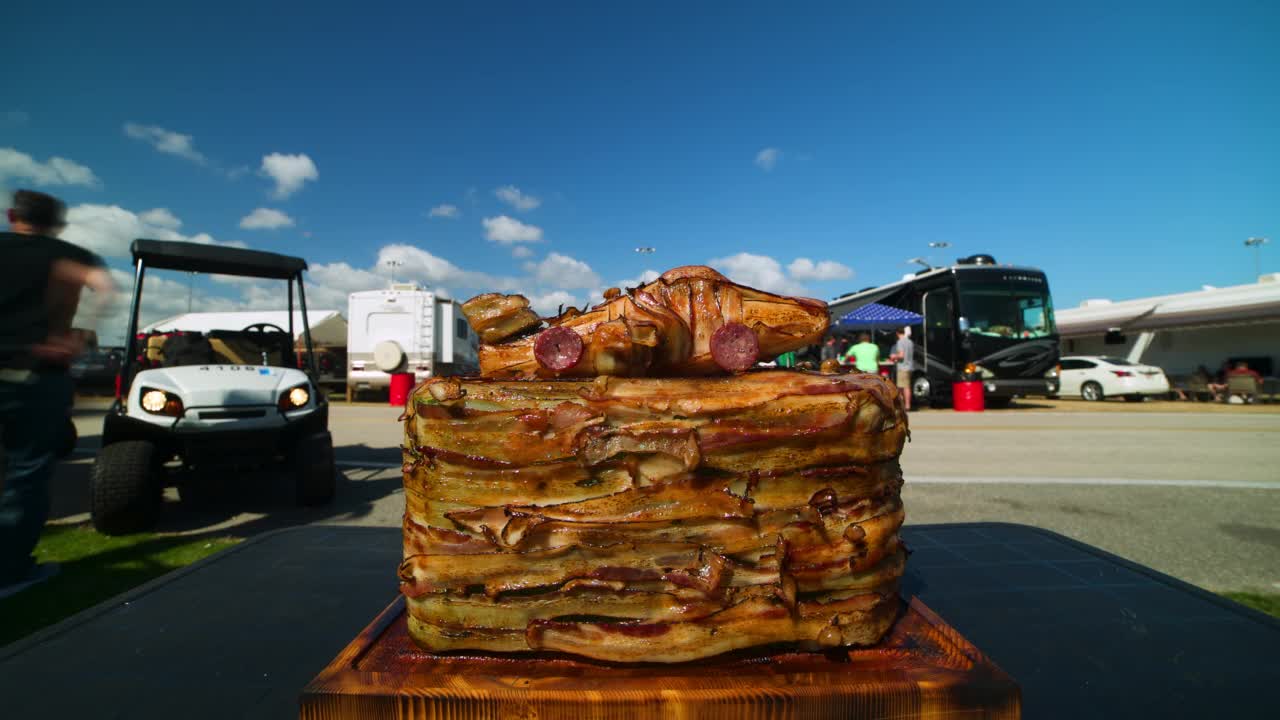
x=1007, y=309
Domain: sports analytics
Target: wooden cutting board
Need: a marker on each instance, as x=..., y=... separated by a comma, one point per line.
x=923, y=669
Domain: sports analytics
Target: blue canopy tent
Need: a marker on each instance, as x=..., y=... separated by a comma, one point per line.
x=874, y=316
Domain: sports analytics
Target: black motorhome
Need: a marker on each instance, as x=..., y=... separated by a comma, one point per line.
x=981, y=320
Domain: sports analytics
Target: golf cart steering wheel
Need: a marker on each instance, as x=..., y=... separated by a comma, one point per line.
x=264, y=327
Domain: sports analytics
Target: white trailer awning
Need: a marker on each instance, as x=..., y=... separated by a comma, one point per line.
x=1259, y=302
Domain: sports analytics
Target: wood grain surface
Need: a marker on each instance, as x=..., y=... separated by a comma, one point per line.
x=922, y=669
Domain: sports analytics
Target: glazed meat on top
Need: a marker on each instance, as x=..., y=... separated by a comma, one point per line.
x=690, y=321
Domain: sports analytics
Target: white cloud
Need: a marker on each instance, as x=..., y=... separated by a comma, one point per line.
x=596, y=296
x=511, y=195
x=804, y=269
x=265, y=219
x=562, y=271
x=430, y=270
x=109, y=229
x=166, y=141
x=509, y=231
x=548, y=304
x=162, y=297
x=161, y=218
x=768, y=158
x=329, y=284
x=445, y=211
x=521, y=251
x=289, y=172
x=644, y=278
x=57, y=171
x=757, y=271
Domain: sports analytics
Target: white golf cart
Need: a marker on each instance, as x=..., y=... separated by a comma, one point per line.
x=204, y=405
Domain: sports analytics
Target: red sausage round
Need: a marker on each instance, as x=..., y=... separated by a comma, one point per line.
x=734, y=347
x=557, y=348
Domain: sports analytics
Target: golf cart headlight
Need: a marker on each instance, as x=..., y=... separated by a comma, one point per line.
x=153, y=401
x=159, y=402
x=295, y=398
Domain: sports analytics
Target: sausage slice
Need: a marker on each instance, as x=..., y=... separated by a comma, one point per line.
x=734, y=347
x=557, y=348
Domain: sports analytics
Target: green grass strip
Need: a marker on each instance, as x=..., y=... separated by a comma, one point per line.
x=1268, y=603
x=95, y=567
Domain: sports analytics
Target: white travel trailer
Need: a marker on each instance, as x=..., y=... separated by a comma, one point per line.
x=405, y=329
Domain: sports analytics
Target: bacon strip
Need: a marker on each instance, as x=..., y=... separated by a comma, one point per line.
x=516, y=612
x=504, y=572
x=854, y=621
x=546, y=484
x=497, y=317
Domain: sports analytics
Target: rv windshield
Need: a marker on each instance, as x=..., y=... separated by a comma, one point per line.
x=1007, y=309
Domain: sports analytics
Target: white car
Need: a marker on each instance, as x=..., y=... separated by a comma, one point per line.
x=1097, y=377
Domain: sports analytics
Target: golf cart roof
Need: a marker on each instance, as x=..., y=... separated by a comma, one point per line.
x=216, y=259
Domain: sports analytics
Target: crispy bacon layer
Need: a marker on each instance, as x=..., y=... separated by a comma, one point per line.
x=859, y=620
x=654, y=520
x=504, y=572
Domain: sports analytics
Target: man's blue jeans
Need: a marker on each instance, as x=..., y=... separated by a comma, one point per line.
x=33, y=413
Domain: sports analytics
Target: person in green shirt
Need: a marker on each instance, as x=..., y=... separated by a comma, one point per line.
x=865, y=354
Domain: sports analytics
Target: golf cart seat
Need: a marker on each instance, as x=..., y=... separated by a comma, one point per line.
x=245, y=348
x=187, y=349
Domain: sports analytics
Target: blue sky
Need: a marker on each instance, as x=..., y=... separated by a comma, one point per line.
x=1126, y=150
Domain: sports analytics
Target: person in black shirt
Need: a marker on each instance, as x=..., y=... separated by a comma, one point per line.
x=41, y=278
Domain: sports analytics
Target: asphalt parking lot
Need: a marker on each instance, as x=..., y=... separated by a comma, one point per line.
x=1195, y=494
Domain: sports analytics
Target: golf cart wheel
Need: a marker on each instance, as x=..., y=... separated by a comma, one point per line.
x=1092, y=392
x=315, y=477
x=125, y=488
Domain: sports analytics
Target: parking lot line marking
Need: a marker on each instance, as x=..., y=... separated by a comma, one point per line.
x=1113, y=482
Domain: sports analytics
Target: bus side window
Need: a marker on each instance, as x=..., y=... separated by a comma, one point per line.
x=937, y=309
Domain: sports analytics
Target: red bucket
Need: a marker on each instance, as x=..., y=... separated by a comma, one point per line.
x=967, y=397
x=401, y=386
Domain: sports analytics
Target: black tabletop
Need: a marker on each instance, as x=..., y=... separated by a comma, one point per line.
x=1086, y=634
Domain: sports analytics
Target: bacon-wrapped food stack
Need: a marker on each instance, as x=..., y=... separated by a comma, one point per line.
x=658, y=519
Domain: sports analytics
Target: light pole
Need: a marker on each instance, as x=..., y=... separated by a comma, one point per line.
x=1256, y=243
x=939, y=244
x=393, y=264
